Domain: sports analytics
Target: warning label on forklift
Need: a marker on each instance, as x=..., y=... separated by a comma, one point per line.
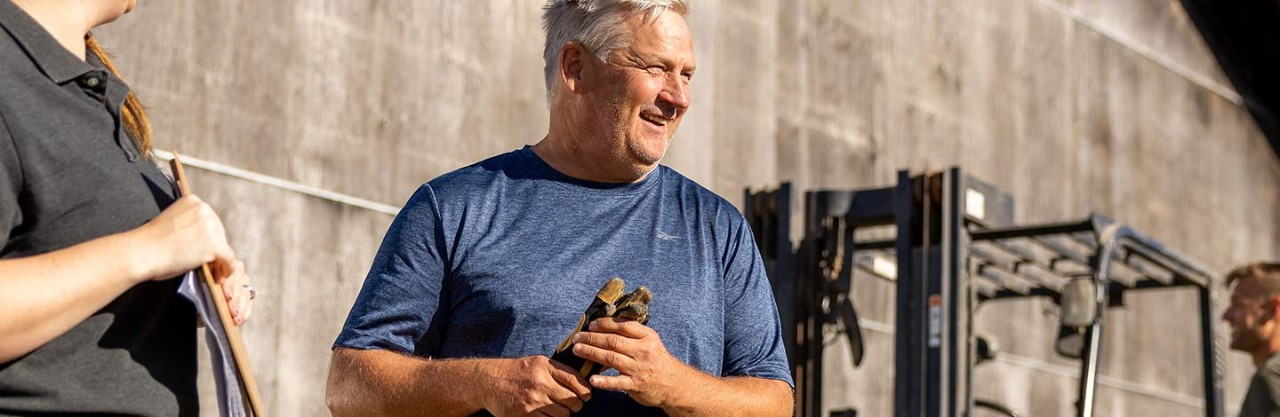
x=935, y=321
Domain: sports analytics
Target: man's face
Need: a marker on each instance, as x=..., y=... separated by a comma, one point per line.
x=1250, y=317
x=644, y=92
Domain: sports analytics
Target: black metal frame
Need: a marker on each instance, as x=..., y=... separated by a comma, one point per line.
x=954, y=228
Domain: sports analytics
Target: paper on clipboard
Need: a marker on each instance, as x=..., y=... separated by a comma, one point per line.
x=232, y=370
x=227, y=381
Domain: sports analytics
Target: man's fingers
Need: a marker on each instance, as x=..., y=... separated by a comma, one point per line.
x=553, y=410
x=568, y=400
x=606, y=341
x=626, y=327
x=568, y=378
x=608, y=358
x=613, y=383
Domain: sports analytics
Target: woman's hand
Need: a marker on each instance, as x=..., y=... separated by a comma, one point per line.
x=235, y=287
x=183, y=237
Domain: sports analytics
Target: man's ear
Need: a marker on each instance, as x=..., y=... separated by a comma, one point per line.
x=1273, y=307
x=572, y=66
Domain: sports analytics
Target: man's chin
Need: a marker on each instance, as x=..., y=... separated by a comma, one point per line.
x=1239, y=343
x=648, y=155
x=648, y=160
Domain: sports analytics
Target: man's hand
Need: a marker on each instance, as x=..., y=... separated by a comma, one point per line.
x=378, y=382
x=653, y=377
x=534, y=386
x=647, y=371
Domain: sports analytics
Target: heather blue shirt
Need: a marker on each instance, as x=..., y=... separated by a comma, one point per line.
x=499, y=259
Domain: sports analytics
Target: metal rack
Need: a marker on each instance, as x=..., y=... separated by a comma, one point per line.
x=963, y=251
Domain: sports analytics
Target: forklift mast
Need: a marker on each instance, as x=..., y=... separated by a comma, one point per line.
x=956, y=247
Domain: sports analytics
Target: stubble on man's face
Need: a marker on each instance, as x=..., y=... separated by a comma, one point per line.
x=636, y=108
x=1247, y=315
x=1246, y=336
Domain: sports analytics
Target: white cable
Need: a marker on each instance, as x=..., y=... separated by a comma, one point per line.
x=231, y=171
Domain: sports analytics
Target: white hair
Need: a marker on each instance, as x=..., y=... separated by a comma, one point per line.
x=596, y=24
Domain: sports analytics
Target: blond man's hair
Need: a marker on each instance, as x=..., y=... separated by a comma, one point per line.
x=1265, y=274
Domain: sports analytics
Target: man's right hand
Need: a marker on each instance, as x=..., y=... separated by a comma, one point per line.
x=534, y=386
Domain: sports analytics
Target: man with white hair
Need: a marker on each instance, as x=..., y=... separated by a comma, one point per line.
x=1255, y=330
x=488, y=268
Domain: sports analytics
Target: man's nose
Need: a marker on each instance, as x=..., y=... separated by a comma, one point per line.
x=677, y=93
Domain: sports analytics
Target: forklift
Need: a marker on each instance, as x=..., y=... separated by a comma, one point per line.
x=954, y=248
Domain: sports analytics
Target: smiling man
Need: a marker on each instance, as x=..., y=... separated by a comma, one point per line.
x=488, y=268
x=1255, y=330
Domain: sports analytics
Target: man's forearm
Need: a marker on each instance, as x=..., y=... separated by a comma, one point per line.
x=383, y=383
x=706, y=395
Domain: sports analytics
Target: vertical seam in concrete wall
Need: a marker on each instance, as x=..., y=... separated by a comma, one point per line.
x=1221, y=90
x=231, y=171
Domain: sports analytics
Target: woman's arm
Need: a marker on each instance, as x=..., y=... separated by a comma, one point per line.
x=43, y=296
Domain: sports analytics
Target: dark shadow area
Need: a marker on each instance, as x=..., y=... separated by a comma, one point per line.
x=1245, y=37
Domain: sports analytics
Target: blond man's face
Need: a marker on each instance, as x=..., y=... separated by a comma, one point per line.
x=1251, y=317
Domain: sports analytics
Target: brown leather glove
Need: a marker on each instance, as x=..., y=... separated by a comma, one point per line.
x=608, y=302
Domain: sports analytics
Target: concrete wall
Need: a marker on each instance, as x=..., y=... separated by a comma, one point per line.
x=1069, y=105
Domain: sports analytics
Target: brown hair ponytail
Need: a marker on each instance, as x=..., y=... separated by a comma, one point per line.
x=133, y=115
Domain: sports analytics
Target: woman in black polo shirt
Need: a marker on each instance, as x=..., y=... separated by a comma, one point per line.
x=90, y=318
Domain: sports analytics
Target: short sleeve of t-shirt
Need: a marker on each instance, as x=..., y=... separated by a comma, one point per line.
x=400, y=303
x=753, y=337
x=10, y=184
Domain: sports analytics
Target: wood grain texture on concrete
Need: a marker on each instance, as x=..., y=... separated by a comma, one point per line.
x=1071, y=106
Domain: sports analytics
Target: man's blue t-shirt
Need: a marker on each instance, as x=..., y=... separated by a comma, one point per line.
x=499, y=259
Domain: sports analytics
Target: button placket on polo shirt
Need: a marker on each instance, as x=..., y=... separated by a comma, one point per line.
x=115, y=95
x=94, y=84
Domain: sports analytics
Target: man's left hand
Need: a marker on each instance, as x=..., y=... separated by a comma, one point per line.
x=646, y=370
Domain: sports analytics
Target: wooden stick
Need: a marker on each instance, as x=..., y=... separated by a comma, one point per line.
x=239, y=355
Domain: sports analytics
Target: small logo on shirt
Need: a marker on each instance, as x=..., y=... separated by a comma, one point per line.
x=667, y=237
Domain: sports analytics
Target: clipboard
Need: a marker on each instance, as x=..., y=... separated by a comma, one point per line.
x=239, y=356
